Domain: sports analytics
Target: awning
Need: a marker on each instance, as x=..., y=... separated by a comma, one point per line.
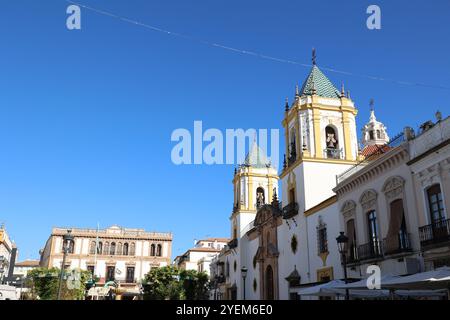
x=436, y=279
x=362, y=284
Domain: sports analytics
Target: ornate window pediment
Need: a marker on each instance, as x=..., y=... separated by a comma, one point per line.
x=393, y=187
x=368, y=199
x=348, y=209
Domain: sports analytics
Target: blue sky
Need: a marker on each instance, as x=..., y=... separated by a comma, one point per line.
x=86, y=116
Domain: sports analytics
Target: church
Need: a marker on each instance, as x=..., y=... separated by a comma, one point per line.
x=329, y=184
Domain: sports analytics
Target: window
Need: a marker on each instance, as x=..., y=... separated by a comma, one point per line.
x=435, y=204
x=125, y=249
x=91, y=269
x=92, y=247
x=322, y=242
x=159, y=250
x=371, y=135
x=378, y=134
x=373, y=231
x=110, y=273
x=351, y=234
x=291, y=195
x=130, y=275
x=119, y=248
x=132, y=249
x=397, y=237
x=100, y=248
x=112, y=249
x=106, y=248
x=152, y=250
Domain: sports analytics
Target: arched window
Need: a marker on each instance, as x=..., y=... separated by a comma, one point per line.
x=119, y=248
x=332, y=143
x=371, y=135
x=260, y=197
x=132, y=249
x=125, y=249
x=378, y=134
x=152, y=250
x=112, y=249
x=159, y=250
x=269, y=283
x=106, y=248
x=322, y=239
x=397, y=236
x=100, y=247
x=92, y=247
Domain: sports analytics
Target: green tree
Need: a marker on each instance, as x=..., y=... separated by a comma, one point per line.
x=162, y=284
x=169, y=283
x=44, y=284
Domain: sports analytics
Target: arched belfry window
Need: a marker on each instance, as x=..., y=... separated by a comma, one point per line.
x=332, y=143
x=260, y=197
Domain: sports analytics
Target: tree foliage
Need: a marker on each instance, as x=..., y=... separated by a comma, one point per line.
x=44, y=284
x=170, y=283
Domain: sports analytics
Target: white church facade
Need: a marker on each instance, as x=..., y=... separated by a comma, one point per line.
x=329, y=184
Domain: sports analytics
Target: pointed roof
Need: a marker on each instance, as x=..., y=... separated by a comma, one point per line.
x=256, y=157
x=318, y=82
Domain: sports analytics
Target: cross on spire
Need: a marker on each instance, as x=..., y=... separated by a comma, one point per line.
x=371, y=103
x=314, y=56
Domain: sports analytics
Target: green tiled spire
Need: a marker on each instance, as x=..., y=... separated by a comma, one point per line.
x=322, y=85
x=256, y=157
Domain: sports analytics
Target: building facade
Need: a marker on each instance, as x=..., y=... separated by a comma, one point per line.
x=7, y=255
x=200, y=256
x=389, y=196
x=117, y=254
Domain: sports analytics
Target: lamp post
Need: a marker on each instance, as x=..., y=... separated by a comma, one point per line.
x=67, y=238
x=342, y=240
x=244, y=275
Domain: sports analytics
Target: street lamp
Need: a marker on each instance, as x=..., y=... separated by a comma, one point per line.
x=244, y=275
x=67, y=239
x=342, y=240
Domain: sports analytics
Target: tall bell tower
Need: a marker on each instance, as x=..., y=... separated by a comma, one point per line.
x=255, y=182
x=320, y=139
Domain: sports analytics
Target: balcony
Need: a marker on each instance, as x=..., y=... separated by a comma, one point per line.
x=371, y=250
x=331, y=153
x=436, y=233
x=397, y=244
x=290, y=210
x=233, y=243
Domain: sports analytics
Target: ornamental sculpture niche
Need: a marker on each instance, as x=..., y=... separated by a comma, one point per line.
x=368, y=199
x=393, y=187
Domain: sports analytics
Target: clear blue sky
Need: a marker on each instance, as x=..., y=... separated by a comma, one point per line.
x=86, y=116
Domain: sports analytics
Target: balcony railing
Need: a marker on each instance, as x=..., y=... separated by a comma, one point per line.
x=397, y=244
x=331, y=153
x=437, y=232
x=290, y=210
x=371, y=250
x=233, y=243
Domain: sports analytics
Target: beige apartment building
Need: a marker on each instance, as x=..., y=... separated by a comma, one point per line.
x=117, y=254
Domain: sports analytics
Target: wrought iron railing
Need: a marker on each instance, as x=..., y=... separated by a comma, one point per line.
x=397, y=244
x=290, y=210
x=233, y=243
x=371, y=250
x=332, y=153
x=437, y=232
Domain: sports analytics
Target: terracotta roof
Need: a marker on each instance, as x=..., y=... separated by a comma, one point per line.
x=375, y=149
x=216, y=239
x=28, y=263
